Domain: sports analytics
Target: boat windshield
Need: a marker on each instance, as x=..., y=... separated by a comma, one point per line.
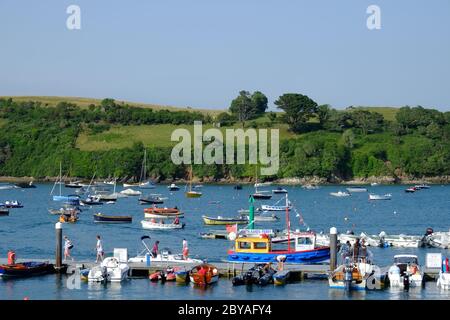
x=406, y=260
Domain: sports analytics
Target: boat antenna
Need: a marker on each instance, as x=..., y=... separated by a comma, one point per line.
x=288, y=224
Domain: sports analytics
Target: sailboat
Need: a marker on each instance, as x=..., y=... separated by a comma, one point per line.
x=260, y=195
x=192, y=193
x=142, y=184
x=60, y=197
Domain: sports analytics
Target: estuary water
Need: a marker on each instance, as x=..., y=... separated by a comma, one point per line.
x=30, y=231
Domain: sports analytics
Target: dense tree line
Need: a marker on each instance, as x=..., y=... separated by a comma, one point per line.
x=332, y=144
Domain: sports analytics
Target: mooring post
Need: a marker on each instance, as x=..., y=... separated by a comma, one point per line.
x=58, y=260
x=333, y=248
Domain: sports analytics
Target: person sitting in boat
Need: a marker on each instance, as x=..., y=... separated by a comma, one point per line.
x=155, y=249
x=185, y=249
x=176, y=221
x=153, y=220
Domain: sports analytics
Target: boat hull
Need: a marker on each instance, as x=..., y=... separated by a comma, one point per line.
x=309, y=256
x=112, y=219
x=218, y=221
x=193, y=194
x=26, y=269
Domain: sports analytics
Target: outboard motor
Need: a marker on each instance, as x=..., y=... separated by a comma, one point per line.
x=105, y=274
x=406, y=281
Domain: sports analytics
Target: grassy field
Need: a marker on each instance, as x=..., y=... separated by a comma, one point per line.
x=85, y=102
x=387, y=112
x=119, y=137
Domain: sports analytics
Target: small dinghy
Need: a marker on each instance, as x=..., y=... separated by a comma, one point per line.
x=91, y=201
x=405, y=272
x=168, y=274
x=25, y=269
x=101, y=218
x=182, y=276
x=173, y=187
x=11, y=204
x=260, y=274
x=351, y=275
x=340, y=194
x=131, y=192
x=279, y=190
x=356, y=189
x=260, y=195
x=266, y=217
x=281, y=277
x=204, y=274
x=219, y=220
x=160, y=225
x=162, y=213
x=387, y=196
x=411, y=190
x=4, y=212
x=25, y=185
x=152, y=199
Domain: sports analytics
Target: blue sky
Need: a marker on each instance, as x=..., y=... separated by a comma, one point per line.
x=201, y=53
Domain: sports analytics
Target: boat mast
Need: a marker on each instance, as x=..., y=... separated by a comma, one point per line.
x=288, y=224
x=60, y=178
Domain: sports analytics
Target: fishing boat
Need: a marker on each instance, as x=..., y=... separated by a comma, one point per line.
x=356, y=189
x=151, y=199
x=219, y=220
x=276, y=207
x=4, y=212
x=110, y=270
x=160, y=225
x=155, y=212
x=387, y=196
x=259, y=249
x=131, y=192
x=281, y=277
x=25, y=185
x=279, y=190
x=101, y=218
x=351, y=275
x=192, y=193
x=173, y=187
x=340, y=194
x=443, y=280
x=204, y=274
x=11, y=204
x=165, y=255
x=25, y=269
x=405, y=272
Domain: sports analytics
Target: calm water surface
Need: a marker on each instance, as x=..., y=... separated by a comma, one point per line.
x=30, y=232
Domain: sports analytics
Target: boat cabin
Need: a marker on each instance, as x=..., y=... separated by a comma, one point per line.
x=263, y=244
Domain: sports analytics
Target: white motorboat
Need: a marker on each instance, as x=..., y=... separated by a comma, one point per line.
x=131, y=192
x=422, y=186
x=374, y=184
x=443, y=281
x=352, y=276
x=173, y=187
x=147, y=185
x=110, y=270
x=263, y=184
x=130, y=185
x=340, y=194
x=279, y=190
x=387, y=196
x=275, y=208
x=154, y=225
x=7, y=187
x=266, y=217
x=356, y=189
x=405, y=272
x=310, y=187
x=165, y=256
x=437, y=240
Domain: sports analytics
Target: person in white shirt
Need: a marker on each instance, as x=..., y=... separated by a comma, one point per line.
x=185, y=249
x=67, y=247
x=99, y=249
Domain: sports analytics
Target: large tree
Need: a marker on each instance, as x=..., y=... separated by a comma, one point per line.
x=259, y=101
x=243, y=107
x=298, y=109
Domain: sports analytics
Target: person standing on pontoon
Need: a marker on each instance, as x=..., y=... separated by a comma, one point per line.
x=99, y=248
x=155, y=249
x=67, y=247
x=185, y=249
